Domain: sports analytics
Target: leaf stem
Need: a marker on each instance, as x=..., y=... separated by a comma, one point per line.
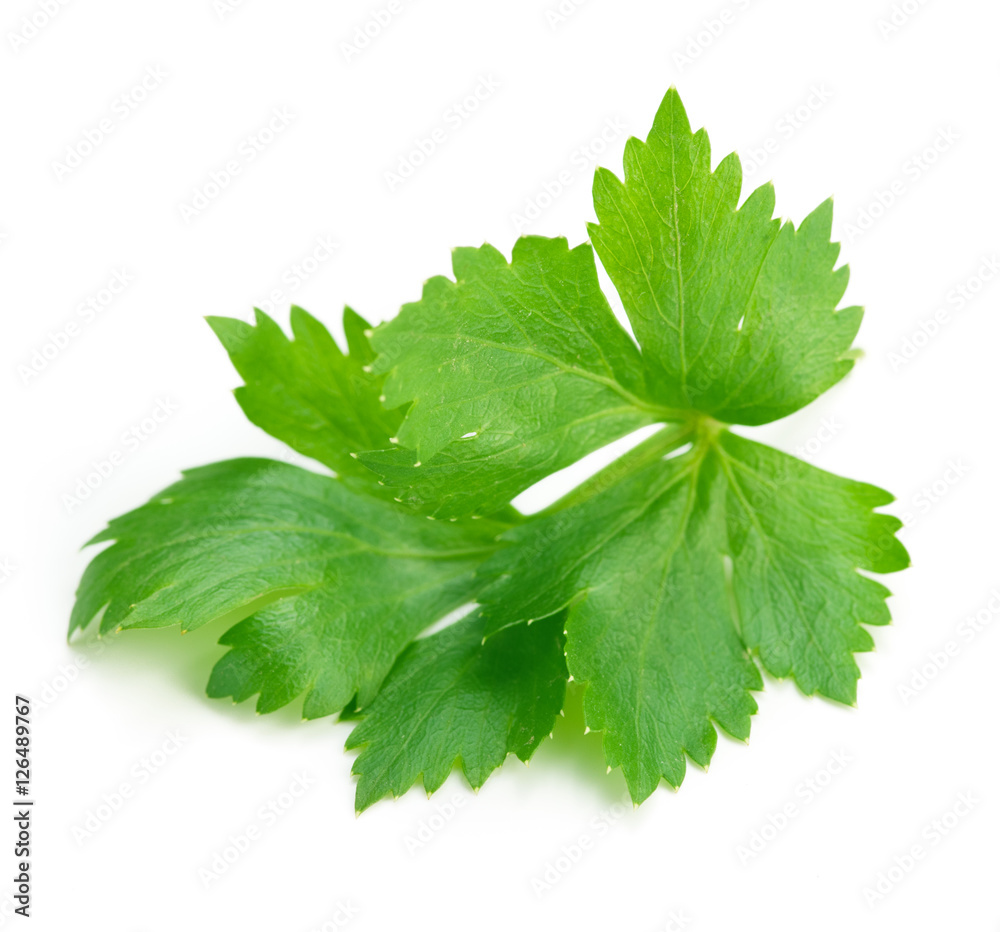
x=669, y=438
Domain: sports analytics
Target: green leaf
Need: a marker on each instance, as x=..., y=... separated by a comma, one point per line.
x=451, y=698
x=655, y=631
x=352, y=579
x=735, y=313
x=797, y=536
x=306, y=392
x=513, y=371
x=671, y=579
x=649, y=633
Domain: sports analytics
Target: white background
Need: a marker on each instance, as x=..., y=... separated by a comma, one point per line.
x=870, y=102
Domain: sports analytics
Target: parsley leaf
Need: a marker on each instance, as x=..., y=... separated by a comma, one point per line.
x=306, y=392
x=656, y=632
x=455, y=697
x=513, y=371
x=735, y=312
x=649, y=631
x=797, y=535
x=351, y=579
x=664, y=584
